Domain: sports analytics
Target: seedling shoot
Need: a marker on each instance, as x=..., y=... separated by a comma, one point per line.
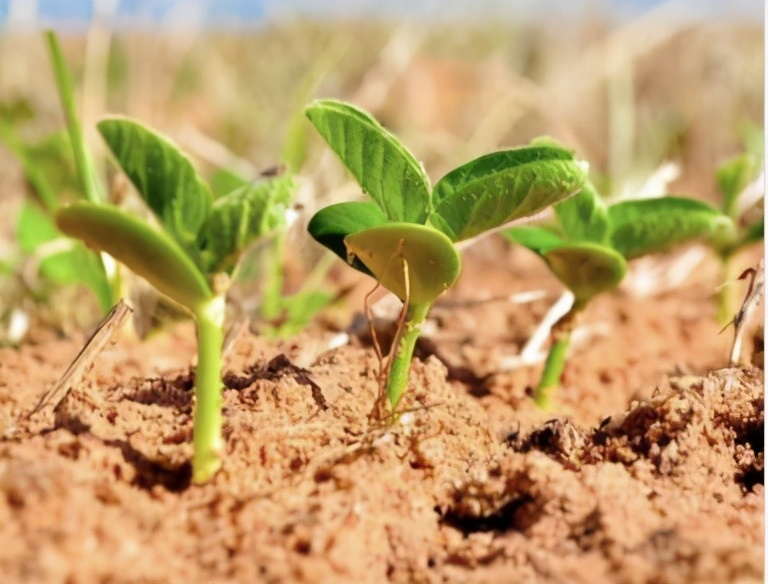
x=590, y=246
x=405, y=236
x=190, y=258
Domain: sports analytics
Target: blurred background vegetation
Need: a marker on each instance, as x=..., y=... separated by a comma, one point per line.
x=630, y=94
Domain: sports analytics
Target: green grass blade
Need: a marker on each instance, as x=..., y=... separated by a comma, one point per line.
x=503, y=186
x=164, y=177
x=433, y=264
x=640, y=227
x=84, y=164
x=148, y=252
x=386, y=170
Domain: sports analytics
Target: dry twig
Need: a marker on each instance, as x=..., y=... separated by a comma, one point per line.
x=85, y=358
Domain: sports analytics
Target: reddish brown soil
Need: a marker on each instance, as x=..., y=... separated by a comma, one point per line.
x=650, y=471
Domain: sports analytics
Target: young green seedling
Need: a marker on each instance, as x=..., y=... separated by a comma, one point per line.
x=406, y=236
x=190, y=259
x=589, y=248
x=734, y=177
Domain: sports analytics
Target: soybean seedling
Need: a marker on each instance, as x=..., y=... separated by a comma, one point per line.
x=590, y=246
x=740, y=200
x=191, y=258
x=405, y=236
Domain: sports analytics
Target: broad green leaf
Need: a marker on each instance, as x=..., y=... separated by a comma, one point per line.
x=733, y=176
x=149, y=252
x=238, y=219
x=163, y=176
x=537, y=239
x=640, y=227
x=503, y=186
x=73, y=265
x=390, y=251
x=584, y=216
x=224, y=181
x=330, y=225
x=386, y=170
x=586, y=269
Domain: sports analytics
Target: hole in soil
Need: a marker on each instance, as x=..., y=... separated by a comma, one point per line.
x=278, y=367
x=171, y=393
x=752, y=436
x=150, y=473
x=501, y=521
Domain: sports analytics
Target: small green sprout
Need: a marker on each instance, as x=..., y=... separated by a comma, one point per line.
x=191, y=258
x=734, y=177
x=406, y=236
x=589, y=248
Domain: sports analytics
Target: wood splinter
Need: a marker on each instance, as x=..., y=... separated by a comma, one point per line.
x=83, y=362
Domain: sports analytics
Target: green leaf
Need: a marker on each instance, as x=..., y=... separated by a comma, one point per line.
x=238, y=219
x=224, y=181
x=35, y=227
x=163, y=176
x=75, y=265
x=48, y=165
x=586, y=269
x=330, y=225
x=149, y=252
x=386, y=170
x=584, y=216
x=298, y=310
x=433, y=264
x=733, y=176
x=640, y=227
x=503, y=186
x=537, y=239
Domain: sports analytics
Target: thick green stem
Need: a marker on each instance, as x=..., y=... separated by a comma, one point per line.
x=397, y=379
x=207, y=440
x=553, y=371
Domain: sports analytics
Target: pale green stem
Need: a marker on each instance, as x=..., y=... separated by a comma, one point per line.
x=207, y=440
x=397, y=379
x=555, y=363
x=273, y=285
x=553, y=371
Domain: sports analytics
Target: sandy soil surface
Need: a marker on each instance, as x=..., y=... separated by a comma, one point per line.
x=650, y=470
